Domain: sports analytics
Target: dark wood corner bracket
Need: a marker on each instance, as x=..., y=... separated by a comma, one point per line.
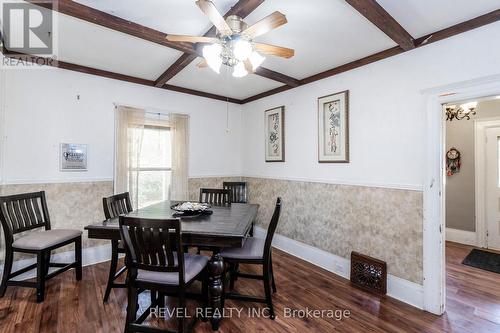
x=370, y=9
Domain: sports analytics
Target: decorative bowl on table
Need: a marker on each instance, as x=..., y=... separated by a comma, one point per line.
x=191, y=209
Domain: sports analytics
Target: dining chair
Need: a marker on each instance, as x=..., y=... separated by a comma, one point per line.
x=238, y=191
x=238, y=194
x=255, y=251
x=215, y=196
x=156, y=262
x=114, y=206
x=21, y=213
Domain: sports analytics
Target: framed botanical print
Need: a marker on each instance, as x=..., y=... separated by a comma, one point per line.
x=275, y=134
x=333, y=128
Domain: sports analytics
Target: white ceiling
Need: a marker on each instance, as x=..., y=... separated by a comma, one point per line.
x=324, y=34
x=422, y=17
x=87, y=44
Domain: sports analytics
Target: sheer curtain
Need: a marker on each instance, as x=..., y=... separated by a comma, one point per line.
x=129, y=131
x=130, y=123
x=179, y=137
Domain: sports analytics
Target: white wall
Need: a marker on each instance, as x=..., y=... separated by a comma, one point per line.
x=42, y=110
x=386, y=114
x=460, y=187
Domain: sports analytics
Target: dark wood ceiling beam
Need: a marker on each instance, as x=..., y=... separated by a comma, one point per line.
x=111, y=75
x=454, y=30
x=201, y=93
x=174, y=69
x=267, y=73
x=242, y=8
x=85, y=13
x=376, y=14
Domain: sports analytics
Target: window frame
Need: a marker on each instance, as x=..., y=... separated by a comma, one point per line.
x=153, y=169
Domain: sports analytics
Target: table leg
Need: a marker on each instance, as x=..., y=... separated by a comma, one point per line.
x=215, y=270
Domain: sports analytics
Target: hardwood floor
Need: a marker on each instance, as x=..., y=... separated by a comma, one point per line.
x=473, y=303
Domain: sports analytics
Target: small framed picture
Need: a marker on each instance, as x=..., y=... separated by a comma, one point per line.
x=275, y=134
x=333, y=128
x=73, y=157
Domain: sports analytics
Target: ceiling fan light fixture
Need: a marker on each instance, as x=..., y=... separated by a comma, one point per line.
x=239, y=70
x=212, y=54
x=242, y=49
x=256, y=60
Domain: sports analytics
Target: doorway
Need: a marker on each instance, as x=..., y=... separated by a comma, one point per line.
x=492, y=189
x=471, y=208
x=434, y=283
x=488, y=183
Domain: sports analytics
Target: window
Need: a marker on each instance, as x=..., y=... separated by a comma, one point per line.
x=150, y=156
x=154, y=169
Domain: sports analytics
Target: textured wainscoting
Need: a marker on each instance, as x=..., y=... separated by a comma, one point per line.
x=71, y=205
x=383, y=223
x=380, y=222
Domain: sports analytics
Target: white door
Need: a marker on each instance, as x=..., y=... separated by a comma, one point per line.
x=493, y=188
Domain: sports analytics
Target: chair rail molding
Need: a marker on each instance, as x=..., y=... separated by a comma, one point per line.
x=434, y=288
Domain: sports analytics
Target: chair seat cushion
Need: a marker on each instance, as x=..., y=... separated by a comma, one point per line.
x=45, y=239
x=193, y=265
x=252, y=249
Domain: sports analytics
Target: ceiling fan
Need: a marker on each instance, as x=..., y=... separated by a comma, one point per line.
x=234, y=44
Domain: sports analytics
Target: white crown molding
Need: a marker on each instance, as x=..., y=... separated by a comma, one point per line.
x=398, y=288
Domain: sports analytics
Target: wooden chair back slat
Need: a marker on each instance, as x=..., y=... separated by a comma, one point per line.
x=22, y=212
x=31, y=212
x=238, y=191
x=153, y=244
x=271, y=229
x=215, y=196
x=36, y=209
x=116, y=205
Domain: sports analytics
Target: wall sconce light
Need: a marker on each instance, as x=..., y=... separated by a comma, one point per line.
x=460, y=112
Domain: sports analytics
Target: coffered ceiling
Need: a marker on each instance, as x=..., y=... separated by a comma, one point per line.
x=325, y=34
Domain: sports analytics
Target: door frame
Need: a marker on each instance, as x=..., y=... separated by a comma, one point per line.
x=434, y=284
x=480, y=127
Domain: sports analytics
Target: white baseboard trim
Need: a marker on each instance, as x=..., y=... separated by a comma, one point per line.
x=90, y=256
x=461, y=236
x=398, y=288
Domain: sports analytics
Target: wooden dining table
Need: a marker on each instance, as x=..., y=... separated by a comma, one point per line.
x=226, y=227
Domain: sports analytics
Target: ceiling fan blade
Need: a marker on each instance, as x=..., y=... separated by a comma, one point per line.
x=208, y=8
x=202, y=64
x=191, y=39
x=278, y=51
x=248, y=66
x=267, y=24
